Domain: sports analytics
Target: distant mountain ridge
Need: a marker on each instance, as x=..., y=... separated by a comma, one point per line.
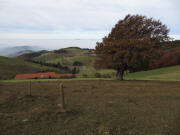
x=18, y=50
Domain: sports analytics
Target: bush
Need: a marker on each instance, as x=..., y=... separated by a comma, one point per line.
x=85, y=75
x=97, y=75
x=78, y=63
x=75, y=70
x=106, y=76
x=113, y=74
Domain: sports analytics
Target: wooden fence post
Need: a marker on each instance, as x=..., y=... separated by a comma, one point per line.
x=30, y=88
x=62, y=97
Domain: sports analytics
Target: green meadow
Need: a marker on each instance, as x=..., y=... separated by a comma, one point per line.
x=164, y=74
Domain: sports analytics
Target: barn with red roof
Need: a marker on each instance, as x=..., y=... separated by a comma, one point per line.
x=46, y=75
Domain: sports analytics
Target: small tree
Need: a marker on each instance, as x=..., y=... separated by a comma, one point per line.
x=75, y=70
x=133, y=44
x=78, y=63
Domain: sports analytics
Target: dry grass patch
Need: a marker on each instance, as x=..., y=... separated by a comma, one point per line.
x=92, y=108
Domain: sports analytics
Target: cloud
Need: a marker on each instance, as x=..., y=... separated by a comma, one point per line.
x=78, y=18
x=55, y=35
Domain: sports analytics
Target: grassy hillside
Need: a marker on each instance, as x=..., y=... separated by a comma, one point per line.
x=9, y=67
x=169, y=74
x=67, y=57
x=92, y=108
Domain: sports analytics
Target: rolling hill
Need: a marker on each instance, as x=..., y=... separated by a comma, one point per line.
x=83, y=59
x=166, y=74
x=12, y=66
x=68, y=56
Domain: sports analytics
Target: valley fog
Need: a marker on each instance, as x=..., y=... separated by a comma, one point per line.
x=49, y=44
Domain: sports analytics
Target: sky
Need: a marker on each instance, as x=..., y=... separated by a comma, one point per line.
x=63, y=23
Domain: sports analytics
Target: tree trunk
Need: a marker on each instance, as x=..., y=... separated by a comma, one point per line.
x=120, y=74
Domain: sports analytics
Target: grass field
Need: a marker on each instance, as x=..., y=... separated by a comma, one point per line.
x=167, y=74
x=92, y=108
x=162, y=74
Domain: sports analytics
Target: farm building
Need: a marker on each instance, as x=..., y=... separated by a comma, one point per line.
x=42, y=76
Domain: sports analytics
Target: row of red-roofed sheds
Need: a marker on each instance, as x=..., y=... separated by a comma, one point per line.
x=47, y=75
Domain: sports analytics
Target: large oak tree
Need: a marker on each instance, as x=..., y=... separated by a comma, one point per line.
x=133, y=44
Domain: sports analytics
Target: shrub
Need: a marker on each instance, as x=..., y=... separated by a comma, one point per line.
x=85, y=75
x=67, y=76
x=75, y=70
x=78, y=63
x=97, y=75
x=106, y=76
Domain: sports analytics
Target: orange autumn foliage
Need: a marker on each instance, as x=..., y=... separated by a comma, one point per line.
x=133, y=44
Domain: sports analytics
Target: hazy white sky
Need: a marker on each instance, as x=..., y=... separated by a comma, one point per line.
x=41, y=20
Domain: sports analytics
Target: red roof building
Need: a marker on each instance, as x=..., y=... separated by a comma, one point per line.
x=42, y=76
